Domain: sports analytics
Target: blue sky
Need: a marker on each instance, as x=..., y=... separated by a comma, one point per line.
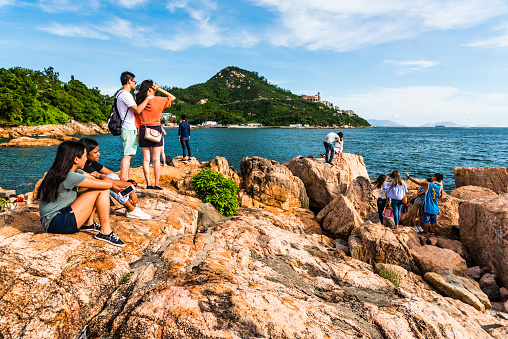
x=410, y=61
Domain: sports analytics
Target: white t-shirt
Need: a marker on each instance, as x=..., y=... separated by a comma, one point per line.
x=123, y=102
x=331, y=137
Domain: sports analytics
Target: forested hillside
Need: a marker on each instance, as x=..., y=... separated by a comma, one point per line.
x=232, y=96
x=29, y=97
x=235, y=96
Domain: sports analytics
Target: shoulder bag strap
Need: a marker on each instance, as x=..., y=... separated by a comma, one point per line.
x=126, y=112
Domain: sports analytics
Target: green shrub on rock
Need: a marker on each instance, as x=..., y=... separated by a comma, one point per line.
x=213, y=187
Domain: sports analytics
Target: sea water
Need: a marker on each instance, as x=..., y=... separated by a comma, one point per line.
x=419, y=151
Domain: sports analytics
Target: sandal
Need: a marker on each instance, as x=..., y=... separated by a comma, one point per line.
x=157, y=188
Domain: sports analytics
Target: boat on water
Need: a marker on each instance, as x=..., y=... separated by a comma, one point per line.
x=440, y=126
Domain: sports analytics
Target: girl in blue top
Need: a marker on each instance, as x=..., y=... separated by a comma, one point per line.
x=396, y=190
x=430, y=202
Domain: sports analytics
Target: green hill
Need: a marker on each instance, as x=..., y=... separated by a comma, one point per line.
x=232, y=96
x=235, y=95
x=29, y=97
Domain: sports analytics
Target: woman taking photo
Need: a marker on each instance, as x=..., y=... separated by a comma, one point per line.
x=150, y=117
x=381, y=195
x=396, y=190
x=68, y=198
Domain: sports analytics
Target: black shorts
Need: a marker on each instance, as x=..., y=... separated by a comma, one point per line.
x=64, y=222
x=147, y=143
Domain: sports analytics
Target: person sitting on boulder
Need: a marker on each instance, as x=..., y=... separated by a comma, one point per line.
x=430, y=201
x=99, y=171
x=69, y=197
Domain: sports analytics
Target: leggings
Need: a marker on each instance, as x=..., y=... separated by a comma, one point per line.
x=396, y=206
x=381, y=203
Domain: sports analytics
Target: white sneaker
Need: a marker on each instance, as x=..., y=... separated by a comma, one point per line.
x=420, y=229
x=138, y=214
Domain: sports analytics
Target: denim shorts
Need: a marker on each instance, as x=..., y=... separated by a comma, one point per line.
x=115, y=196
x=64, y=222
x=429, y=217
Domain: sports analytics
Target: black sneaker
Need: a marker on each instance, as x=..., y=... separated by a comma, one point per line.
x=112, y=238
x=95, y=227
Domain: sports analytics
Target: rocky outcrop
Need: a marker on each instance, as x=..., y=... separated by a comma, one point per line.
x=272, y=184
x=495, y=179
x=484, y=232
x=433, y=259
x=362, y=196
x=375, y=243
x=31, y=142
x=472, y=192
x=339, y=218
x=460, y=288
x=454, y=245
x=448, y=215
x=248, y=277
x=45, y=130
x=220, y=164
x=323, y=182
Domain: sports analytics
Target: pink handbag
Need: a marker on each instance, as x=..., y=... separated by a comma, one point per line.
x=388, y=213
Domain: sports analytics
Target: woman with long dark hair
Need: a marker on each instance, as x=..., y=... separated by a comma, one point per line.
x=396, y=190
x=381, y=195
x=68, y=198
x=151, y=117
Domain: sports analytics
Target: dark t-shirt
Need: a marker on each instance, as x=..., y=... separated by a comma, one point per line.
x=91, y=167
x=184, y=129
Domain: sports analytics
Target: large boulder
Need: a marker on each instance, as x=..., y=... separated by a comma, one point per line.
x=362, y=196
x=339, y=218
x=273, y=184
x=484, y=232
x=324, y=182
x=220, y=164
x=448, y=215
x=375, y=243
x=495, y=179
x=470, y=192
x=430, y=258
x=460, y=288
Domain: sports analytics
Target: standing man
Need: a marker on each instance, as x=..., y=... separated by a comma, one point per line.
x=127, y=108
x=184, y=135
x=430, y=201
x=329, y=148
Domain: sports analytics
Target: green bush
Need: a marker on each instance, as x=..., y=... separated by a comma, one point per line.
x=213, y=187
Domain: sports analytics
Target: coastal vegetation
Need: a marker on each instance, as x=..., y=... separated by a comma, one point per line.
x=29, y=97
x=215, y=188
x=232, y=96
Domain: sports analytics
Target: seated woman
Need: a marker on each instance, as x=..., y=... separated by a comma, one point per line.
x=97, y=170
x=151, y=117
x=68, y=197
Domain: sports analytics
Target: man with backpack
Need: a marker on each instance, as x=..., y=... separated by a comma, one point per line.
x=126, y=106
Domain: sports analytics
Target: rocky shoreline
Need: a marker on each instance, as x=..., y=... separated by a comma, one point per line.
x=304, y=258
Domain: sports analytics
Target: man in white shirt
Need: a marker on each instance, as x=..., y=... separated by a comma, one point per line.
x=127, y=108
x=329, y=148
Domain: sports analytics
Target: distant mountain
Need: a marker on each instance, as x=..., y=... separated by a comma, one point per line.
x=443, y=123
x=384, y=123
x=238, y=96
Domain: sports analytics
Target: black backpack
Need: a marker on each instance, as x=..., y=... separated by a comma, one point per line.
x=115, y=121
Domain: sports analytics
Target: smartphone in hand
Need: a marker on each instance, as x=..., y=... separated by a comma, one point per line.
x=128, y=190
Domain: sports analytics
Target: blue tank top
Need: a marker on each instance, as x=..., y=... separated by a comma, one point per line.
x=430, y=201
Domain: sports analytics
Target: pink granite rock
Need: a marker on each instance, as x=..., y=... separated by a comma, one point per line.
x=484, y=232
x=495, y=179
x=432, y=259
x=470, y=192
x=339, y=217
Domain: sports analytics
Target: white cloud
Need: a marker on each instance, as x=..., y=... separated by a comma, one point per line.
x=115, y=27
x=406, y=67
x=418, y=105
x=81, y=31
x=348, y=25
x=55, y=6
x=6, y=2
x=131, y=3
x=498, y=41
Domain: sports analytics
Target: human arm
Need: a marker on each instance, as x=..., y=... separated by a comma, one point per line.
x=90, y=182
x=139, y=108
x=419, y=182
x=166, y=93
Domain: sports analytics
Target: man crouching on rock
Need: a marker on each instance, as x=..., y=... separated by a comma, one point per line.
x=430, y=201
x=97, y=170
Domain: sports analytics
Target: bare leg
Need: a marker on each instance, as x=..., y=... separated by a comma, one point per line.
x=133, y=198
x=125, y=166
x=156, y=154
x=433, y=228
x=85, y=204
x=426, y=228
x=146, y=165
x=163, y=156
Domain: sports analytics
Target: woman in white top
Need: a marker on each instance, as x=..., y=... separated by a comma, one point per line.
x=381, y=195
x=339, y=145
